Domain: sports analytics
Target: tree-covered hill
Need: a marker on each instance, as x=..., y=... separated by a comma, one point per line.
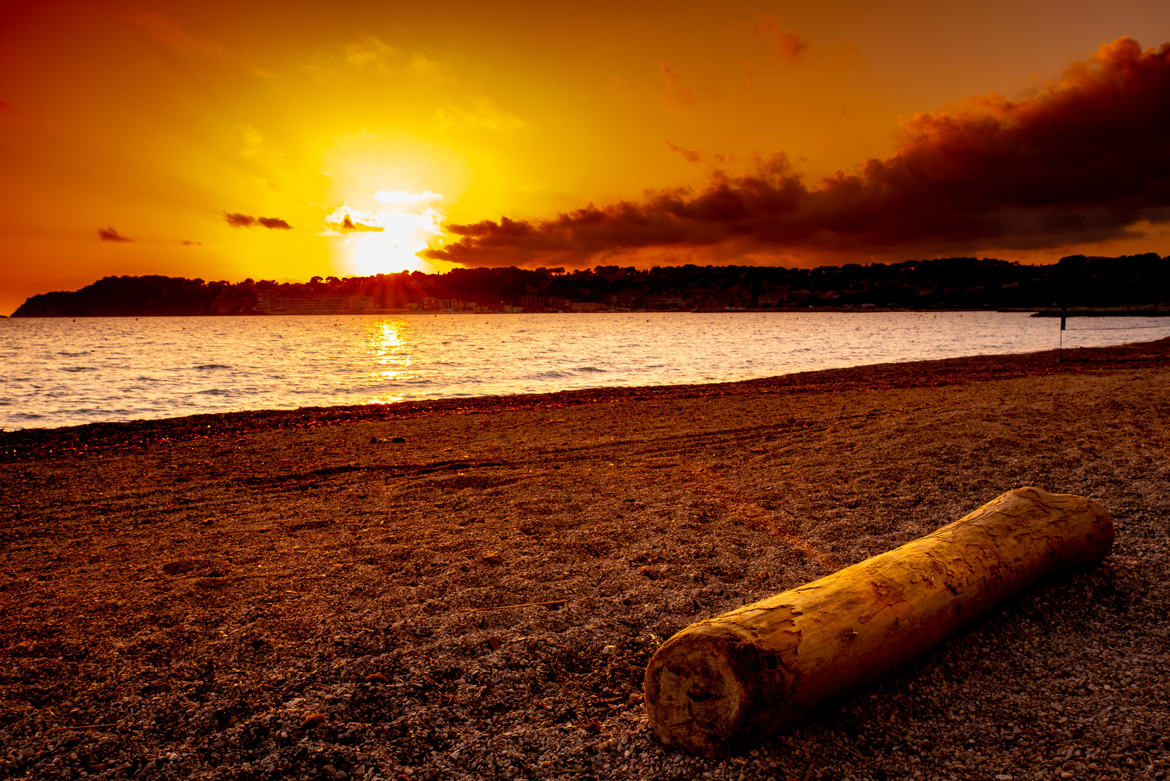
x=1133, y=281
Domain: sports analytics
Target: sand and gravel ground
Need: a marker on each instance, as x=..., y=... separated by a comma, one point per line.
x=472, y=589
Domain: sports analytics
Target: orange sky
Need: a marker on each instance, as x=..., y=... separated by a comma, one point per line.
x=282, y=140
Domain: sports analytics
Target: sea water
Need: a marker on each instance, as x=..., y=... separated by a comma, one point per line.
x=61, y=371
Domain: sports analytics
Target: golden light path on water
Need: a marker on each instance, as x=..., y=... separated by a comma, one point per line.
x=391, y=354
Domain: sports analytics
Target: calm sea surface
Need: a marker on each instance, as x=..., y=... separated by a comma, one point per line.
x=60, y=372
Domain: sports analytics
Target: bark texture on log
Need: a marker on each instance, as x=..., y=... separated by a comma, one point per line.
x=734, y=680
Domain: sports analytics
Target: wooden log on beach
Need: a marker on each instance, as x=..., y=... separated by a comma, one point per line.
x=734, y=680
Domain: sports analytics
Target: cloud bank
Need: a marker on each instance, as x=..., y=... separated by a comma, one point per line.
x=1082, y=160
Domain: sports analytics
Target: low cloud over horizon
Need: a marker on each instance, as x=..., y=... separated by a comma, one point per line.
x=237, y=220
x=110, y=234
x=342, y=221
x=1083, y=160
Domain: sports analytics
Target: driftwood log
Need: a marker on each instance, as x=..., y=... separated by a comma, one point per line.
x=733, y=681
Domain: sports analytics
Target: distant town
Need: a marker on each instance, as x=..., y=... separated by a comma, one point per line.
x=1131, y=283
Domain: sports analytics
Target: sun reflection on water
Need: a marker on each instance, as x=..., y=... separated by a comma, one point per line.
x=392, y=355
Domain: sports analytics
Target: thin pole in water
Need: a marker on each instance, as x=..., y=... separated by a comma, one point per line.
x=1063, y=323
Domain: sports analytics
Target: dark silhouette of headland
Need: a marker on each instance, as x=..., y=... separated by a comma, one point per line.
x=1130, y=284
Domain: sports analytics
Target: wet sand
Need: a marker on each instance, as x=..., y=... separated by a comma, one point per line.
x=472, y=588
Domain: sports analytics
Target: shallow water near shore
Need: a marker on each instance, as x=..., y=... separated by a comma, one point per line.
x=59, y=372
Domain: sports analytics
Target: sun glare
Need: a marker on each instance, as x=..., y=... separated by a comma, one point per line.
x=388, y=238
x=391, y=353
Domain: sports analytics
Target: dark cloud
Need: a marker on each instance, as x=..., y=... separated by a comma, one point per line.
x=109, y=234
x=347, y=225
x=1083, y=160
x=237, y=220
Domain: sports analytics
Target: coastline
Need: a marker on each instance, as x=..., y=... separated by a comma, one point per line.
x=851, y=309
x=472, y=587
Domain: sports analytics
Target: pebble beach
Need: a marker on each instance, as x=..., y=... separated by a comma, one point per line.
x=472, y=588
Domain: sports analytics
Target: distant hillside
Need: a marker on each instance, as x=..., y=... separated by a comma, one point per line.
x=1128, y=282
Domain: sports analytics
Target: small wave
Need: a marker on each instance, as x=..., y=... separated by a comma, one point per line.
x=75, y=369
x=210, y=366
x=389, y=387
x=549, y=375
x=590, y=370
x=68, y=354
x=214, y=392
x=101, y=412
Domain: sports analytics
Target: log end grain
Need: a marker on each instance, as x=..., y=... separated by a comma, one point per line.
x=703, y=688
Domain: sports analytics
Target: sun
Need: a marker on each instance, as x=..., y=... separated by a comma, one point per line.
x=388, y=238
x=390, y=250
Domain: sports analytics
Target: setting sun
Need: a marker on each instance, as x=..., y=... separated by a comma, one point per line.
x=388, y=238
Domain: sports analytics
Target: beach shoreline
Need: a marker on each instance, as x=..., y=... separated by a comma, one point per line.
x=85, y=437
x=472, y=587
